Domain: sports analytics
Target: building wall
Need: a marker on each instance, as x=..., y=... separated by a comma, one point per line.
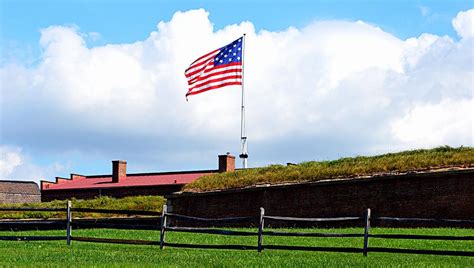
x=19, y=192
x=12, y=198
x=429, y=195
x=119, y=192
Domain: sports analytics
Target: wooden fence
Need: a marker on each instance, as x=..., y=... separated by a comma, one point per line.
x=69, y=223
x=162, y=225
x=260, y=233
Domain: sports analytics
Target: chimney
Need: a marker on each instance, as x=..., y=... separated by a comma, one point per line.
x=119, y=170
x=226, y=162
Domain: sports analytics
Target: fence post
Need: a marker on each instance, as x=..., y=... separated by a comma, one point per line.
x=163, y=226
x=68, y=223
x=366, y=232
x=260, y=229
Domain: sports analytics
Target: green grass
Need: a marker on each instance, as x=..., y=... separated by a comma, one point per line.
x=56, y=253
x=149, y=203
x=341, y=168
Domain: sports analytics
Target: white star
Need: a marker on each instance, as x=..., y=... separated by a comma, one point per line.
x=230, y=59
x=235, y=53
x=220, y=61
x=238, y=48
x=235, y=45
x=238, y=58
x=225, y=56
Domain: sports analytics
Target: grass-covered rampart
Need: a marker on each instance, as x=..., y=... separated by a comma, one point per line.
x=149, y=203
x=342, y=168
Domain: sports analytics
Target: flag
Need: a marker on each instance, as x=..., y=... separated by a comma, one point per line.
x=219, y=68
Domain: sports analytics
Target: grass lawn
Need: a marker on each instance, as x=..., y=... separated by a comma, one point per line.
x=56, y=253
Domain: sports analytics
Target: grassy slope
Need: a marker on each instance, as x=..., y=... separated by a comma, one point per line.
x=56, y=253
x=344, y=167
x=152, y=203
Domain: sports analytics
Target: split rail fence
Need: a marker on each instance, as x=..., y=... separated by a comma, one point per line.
x=70, y=223
x=163, y=225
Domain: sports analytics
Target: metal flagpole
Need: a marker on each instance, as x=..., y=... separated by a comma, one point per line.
x=243, y=139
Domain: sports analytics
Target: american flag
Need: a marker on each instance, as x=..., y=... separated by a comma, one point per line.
x=219, y=68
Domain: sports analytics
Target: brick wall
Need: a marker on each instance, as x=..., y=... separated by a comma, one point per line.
x=19, y=192
x=118, y=192
x=12, y=198
x=446, y=194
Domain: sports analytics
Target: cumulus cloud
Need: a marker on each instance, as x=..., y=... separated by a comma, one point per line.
x=418, y=126
x=332, y=88
x=463, y=23
x=16, y=165
x=10, y=158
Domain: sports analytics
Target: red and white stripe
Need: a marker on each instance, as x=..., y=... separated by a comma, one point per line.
x=202, y=75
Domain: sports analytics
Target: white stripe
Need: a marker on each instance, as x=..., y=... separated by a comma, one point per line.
x=215, y=77
x=208, y=67
x=198, y=64
x=215, y=84
x=237, y=68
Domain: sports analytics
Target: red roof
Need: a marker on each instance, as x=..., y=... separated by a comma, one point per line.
x=152, y=179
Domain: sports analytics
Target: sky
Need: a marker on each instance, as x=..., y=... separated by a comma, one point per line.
x=86, y=82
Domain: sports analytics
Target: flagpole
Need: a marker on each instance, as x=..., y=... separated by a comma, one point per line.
x=243, y=139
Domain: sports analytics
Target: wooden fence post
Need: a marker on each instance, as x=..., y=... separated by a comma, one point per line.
x=260, y=229
x=68, y=223
x=366, y=232
x=163, y=226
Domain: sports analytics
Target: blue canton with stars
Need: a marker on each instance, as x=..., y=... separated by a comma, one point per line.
x=230, y=53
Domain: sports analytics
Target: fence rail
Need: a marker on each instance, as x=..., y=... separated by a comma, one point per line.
x=215, y=220
x=32, y=238
x=424, y=220
x=273, y=233
x=122, y=226
x=209, y=231
x=116, y=211
x=162, y=225
x=278, y=218
x=35, y=209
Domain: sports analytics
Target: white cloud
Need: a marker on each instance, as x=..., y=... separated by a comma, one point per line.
x=424, y=10
x=347, y=87
x=94, y=36
x=16, y=165
x=431, y=125
x=463, y=23
x=10, y=158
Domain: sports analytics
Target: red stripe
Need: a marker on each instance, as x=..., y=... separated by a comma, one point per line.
x=191, y=65
x=210, y=63
x=216, y=80
x=218, y=67
x=200, y=78
x=239, y=63
x=213, y=87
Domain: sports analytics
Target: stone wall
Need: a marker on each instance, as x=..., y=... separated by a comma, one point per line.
x=447, y=194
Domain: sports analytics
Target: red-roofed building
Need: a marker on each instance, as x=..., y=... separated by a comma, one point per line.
x=121, y=184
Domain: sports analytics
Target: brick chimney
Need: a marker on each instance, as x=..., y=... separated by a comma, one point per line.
x=119, y=170
x=226, y=162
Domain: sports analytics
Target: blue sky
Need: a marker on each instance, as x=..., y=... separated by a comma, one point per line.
x=127, y=21
x=384, y=75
